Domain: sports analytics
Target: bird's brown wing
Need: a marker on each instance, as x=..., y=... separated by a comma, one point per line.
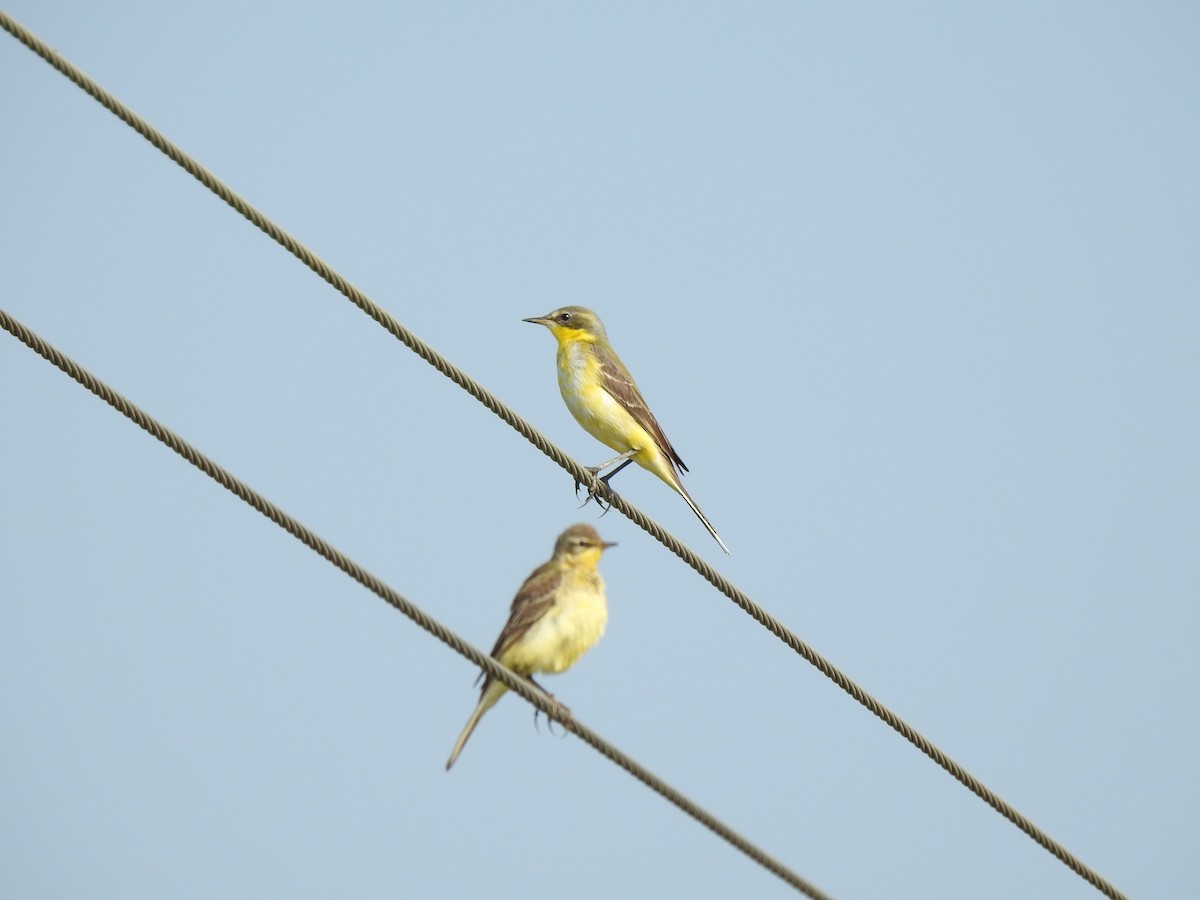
x=618, y=382
x=534, y=598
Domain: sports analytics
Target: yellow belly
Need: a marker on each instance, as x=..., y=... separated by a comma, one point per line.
x=593, y=407
x=569, y=629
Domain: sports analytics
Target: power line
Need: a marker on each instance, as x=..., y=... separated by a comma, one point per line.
x=394, y=327
x=319, y=545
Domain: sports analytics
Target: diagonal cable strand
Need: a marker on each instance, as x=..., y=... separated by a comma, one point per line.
x=578, y=472
x=316, y=543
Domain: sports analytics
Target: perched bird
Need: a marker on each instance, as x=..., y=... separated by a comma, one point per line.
x=603, y=398
x=558, y=614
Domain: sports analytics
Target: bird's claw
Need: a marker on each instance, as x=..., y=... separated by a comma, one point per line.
x=559, y=711
x=604, y=505
x=562, y=715
x=591, y=495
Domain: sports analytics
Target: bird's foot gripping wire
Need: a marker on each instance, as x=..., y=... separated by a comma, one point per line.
x=604, y=502
x=559, y=712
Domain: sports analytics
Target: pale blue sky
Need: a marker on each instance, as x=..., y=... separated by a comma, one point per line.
x=913, y=290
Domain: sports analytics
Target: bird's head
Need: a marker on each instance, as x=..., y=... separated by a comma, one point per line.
x=580, y=544
x=570, y=323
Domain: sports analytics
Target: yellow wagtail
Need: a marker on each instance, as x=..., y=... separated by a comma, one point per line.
x=558, y=615
x=605, y=400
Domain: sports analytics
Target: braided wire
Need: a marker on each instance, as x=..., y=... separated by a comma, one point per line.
x=577, y=471
x=315, y=542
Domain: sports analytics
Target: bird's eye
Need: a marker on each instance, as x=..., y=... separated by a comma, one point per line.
x=564, y=317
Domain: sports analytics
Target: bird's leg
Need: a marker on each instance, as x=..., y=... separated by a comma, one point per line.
x=559, y=712
x=624, y=459
x=605, y=479
x=600, y=501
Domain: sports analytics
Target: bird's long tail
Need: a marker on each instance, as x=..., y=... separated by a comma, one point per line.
x=699, y=514
x=492, y=691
